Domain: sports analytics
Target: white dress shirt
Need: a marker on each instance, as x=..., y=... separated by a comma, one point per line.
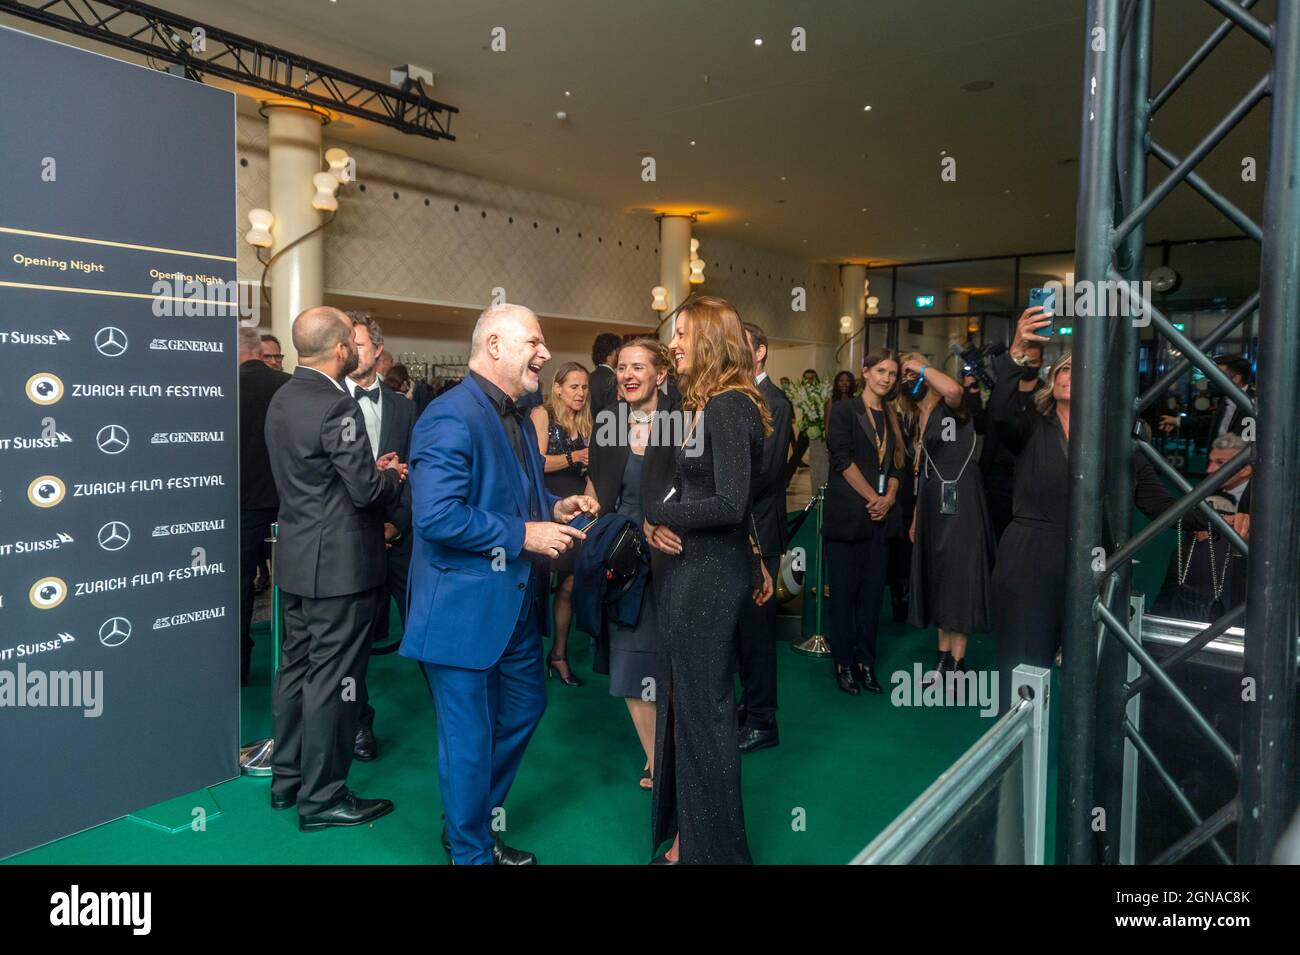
x=328, y=378
x=372, y=411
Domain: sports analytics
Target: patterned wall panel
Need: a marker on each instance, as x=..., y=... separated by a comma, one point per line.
x=421, y=232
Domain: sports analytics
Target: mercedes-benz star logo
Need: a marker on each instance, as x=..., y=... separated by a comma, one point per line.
x=112, y=439
x=110, y=341
x=114, y=631
x=114, y=535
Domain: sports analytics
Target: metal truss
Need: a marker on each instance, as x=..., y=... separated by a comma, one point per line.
x=1114, y=204
x=176, y=39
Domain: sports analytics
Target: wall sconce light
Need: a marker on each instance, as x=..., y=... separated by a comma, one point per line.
x=326, y=185
x=866, y=286
x=873, y=305
x=697, y=264
x=660, y=303
x=342, y=166
x=260, y=233
x=846, y=325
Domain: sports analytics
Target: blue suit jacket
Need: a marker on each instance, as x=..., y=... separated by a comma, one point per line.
x=469, y=572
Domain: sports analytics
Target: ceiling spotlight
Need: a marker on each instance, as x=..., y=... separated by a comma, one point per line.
x=866, y=109
x=692, y=142
x=567, y=93
x=561, y=115
x=758, y=41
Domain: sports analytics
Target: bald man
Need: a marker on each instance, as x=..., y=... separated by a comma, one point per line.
x=329, y=566
x=485, y=529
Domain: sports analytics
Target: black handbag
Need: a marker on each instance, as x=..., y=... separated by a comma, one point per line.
x=623, y=561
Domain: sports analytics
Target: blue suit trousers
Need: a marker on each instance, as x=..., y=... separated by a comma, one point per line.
x=485, y=719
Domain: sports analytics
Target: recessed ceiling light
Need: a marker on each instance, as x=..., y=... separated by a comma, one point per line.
x=866, y=109
x=692, y=142
x=567, y=93
x=864, y=208
x=758, y=41
x=783, y=178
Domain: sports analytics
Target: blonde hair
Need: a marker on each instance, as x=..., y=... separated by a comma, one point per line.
x=570, y=421
x=721, y=359
x=871, y=360
x=1044, y=400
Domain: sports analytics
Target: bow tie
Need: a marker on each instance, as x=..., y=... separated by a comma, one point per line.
x=372, y=394
x=513, y=410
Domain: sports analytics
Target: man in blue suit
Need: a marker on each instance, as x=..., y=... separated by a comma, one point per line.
x=485, y=528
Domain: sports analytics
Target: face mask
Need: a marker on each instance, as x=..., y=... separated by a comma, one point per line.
x=919, y=389
x=1029, y=374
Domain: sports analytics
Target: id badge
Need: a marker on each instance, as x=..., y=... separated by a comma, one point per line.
x=948, y=498
x=880, y=483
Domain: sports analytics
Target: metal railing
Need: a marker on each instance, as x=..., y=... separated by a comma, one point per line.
x=942, y=814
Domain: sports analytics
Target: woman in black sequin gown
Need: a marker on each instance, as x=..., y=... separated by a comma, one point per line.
x=714, y=570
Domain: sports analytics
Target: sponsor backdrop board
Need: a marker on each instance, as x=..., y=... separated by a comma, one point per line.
x=119, y=550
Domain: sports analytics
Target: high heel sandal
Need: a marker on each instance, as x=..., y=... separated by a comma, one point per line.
x=646, y=778
x=553, y=670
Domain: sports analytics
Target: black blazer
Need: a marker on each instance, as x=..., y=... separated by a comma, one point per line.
x=602, y=390
x=332, y=497
x=769, y=485
x=258, y=383
x=845, y=516
x=607, y=458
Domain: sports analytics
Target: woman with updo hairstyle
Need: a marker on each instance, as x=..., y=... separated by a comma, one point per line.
x=634, y=460
x=399, y=379
x=703, y=522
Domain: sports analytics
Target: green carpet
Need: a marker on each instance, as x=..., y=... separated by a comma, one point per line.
x=845, y=768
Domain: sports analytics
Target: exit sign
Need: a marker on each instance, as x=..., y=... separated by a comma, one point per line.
x=925, y=301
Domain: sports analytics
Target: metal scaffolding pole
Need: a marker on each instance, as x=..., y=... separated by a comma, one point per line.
x=1112, y=664
x=1268, y=722
x=1095, y=218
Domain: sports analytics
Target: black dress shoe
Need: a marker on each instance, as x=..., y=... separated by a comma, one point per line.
x=351, y=810
x=844, y=680
x=757, y=737
x=866, y=678
x=502, y=854
x=364, y=747
x=284, y=800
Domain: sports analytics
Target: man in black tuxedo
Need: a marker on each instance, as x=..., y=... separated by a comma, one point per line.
x=389, y=419
x=756, y=640
x=329, y=567
x=602, y=387
x=258, y=502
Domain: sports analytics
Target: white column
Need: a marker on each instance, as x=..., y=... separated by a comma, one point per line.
x=674, y=263
x=853, y=303
x=297, y=278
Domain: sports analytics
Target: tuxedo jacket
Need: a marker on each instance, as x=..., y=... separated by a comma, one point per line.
x=602, y=390
x=332, y=497
x=258, y=384
x=769, y=484
x=470, y=501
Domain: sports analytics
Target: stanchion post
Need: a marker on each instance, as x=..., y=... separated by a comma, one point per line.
x=816, y=645
x=255, y=757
